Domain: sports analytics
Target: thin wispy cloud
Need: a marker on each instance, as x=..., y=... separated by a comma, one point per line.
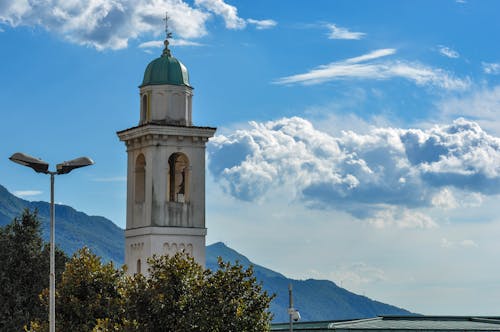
x=445, y=243
x=372, y=55
x=360, y=68
x=491, y=68
x=469, y=244
x=337, y=32
x=262, y=24
x=448, y=52
x=27, y=193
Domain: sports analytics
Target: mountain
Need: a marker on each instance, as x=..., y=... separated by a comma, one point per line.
x=74, y=229
x=315, y=299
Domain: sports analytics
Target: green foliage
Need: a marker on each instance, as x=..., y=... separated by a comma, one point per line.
x=236, y=297
x=166, y=297
x=177, y=295
x=24, y=259
x=89, y=291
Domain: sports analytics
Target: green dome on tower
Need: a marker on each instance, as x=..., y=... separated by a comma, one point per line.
x=165, y=70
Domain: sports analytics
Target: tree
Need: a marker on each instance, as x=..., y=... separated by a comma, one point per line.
x=24, y=259
x=179, y=295
x=167, y=296
x=232, y=300
x=89, y=290
x=176, y=295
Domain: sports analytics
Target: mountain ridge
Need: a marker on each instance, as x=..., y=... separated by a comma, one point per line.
x=315, y=299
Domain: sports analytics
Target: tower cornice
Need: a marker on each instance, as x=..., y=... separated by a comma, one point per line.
x=165, y=130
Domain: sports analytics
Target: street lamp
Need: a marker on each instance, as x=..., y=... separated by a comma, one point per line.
x=40, y=166
x=292, y=312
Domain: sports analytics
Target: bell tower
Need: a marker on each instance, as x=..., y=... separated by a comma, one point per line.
x=165, y=168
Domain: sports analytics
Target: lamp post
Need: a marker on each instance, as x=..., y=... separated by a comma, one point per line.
x=292, y=312
x=40, y=166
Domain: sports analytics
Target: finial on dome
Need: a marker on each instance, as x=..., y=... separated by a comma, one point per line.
x=168, y=35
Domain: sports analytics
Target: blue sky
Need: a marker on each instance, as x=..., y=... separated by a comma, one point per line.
x=358, y=141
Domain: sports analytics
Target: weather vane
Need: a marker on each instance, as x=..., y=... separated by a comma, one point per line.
x=168, y=35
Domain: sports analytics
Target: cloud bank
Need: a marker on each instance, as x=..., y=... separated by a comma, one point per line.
x=110, y=24
x=369, y=66
x=379, y=176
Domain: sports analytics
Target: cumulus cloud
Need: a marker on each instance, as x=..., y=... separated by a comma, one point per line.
x=359, y=68
x=380, y=175
x=337, y=32
x=110, y=24
x=106, y=23
x=491, y=68
x=262, y=24
x=229, y=13
x=448, y=52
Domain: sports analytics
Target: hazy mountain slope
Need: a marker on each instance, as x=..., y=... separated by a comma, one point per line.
x=315, y=299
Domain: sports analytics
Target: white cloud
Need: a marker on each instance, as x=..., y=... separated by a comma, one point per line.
x=337, y=32
x=445, y=199
x=27, y=193
x=354, y=276
x=401, y=218
x=491, y=68
x=448, y=52
x=355, y=68
x=229, y=13
x=381, y=175
x=482, y=105
x=372, y=55
x=106, y=23
x=111, y=24
x=445, y=243
x=469, y=244
x=262, y=24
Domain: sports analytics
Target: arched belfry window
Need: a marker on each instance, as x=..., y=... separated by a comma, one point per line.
x=144, y=108
x=178, y=177
x=140, y=179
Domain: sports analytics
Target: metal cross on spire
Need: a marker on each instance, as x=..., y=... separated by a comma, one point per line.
x=168, y=35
